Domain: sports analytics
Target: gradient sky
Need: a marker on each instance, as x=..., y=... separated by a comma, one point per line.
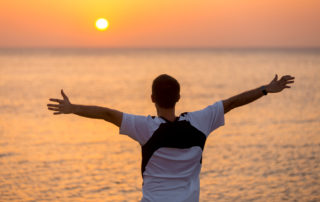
x=166, y=23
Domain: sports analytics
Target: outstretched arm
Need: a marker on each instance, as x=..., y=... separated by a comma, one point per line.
x=95, y=112
x=274, y=86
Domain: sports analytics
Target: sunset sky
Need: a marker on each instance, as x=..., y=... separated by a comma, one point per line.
x=166, y=23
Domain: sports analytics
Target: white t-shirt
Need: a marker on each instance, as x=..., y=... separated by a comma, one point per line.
x=172, y=174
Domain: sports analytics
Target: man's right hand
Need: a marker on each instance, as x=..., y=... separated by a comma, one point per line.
x=64, y=106
x=276, y=85
x=247, y=97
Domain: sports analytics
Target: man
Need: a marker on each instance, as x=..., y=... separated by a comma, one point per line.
x=171, y=145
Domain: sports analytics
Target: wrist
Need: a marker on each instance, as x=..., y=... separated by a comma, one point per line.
x=268, y=88
x=73, y=108
x=264, y=90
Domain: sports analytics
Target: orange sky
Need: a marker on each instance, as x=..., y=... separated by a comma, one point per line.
x=166, y=23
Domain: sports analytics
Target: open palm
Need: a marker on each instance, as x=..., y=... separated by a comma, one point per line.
x=276, y=85
x=64, y=106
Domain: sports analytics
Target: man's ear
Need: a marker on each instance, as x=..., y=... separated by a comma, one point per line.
x=152, y=98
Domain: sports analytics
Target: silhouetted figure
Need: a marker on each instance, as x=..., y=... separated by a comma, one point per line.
x=171, y=145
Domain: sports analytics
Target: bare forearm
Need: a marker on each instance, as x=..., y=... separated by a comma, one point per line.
x=245, y=97
x=65, y=107
x=275, y=86
x=97, y=112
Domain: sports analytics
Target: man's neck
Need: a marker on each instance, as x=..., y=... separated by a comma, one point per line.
x=168, y=114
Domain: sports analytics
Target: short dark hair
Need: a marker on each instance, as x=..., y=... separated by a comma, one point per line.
x=166, y=91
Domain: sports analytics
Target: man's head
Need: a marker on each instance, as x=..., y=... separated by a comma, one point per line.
x=165, y=91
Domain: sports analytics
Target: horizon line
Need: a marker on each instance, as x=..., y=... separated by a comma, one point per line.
x=142, y=49
x=160, y=47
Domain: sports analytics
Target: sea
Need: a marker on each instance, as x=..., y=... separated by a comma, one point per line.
x=268, y=150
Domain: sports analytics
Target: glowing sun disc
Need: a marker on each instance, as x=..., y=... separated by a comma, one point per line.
x=102, y=24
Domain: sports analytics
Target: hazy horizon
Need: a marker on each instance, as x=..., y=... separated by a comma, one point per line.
x=165, y=48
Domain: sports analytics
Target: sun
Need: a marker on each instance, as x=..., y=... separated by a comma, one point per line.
x=102, y=24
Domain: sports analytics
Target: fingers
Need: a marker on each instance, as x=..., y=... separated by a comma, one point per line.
x=276, y=77
x=53, y=105
x=284, y=84
x=64, y=95
x=285, y=80
x=58, y=108
x=53, y=109
x=56, y=100
x=286, y=77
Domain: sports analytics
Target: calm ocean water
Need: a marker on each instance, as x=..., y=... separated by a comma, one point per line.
x=267, y=151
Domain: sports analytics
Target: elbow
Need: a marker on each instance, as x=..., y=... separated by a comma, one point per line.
x=106, y=117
